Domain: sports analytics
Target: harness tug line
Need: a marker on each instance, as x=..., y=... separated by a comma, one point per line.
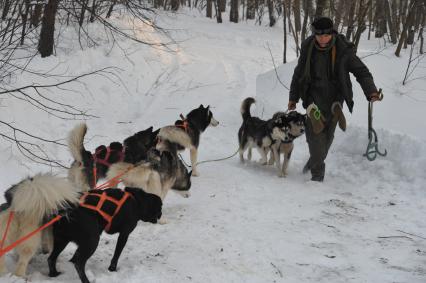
x=108, y=184
x=184, y=126
x=372, y=147
x=26, y=237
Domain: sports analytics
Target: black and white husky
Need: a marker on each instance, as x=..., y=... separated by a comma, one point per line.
x=294, y=128
x=33, y=200
x=255, y=132
x=187, y=132
x=133, y=150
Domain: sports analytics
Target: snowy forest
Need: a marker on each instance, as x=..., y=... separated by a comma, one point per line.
x=120, y=67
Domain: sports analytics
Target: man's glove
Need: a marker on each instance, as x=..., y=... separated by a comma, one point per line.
x=291, y=105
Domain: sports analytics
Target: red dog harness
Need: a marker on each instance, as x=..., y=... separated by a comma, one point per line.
x=102, y=199
x=104, y=161
x=183, y=124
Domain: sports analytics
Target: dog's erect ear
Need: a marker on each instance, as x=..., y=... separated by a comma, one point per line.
x=208, y=106
x=155, y=133
x=201, y=106
x=116, y=146
x=149, y=129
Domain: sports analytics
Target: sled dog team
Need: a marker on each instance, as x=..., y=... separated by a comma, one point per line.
x=148, y=165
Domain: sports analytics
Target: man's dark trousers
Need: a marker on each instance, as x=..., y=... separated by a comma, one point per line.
x=319, y=145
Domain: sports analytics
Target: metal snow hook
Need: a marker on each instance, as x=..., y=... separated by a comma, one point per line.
x=372, y=147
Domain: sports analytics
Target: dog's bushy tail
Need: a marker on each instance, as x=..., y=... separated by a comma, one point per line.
x=43, y=195
x=75, y=141
x=80, y=170
x=245, y=107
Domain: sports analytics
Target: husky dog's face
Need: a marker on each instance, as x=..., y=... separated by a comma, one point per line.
x=296, y=123
x=202, y=117
x=138, y=145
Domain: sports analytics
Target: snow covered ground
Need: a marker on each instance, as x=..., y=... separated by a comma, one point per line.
x=365, y=223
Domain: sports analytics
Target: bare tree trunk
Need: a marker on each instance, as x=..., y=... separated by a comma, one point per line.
x=321, y=5
x=370, y=19
x=24, y=20
x=83, y=11
x=339, y=13
x=174, y=5
x=285, y=31
x=331, y=8
x=296, y=11
x=46, y=41
x=111, y=8
x=307, y=7
x=407, y=24
x=209, y=9
x=93, y=11
x=395, y=17
x=272, y=19
x=362, y=12
x=380, y=19
x=36, y=14
x=6, y=9
x=351, y=20
x=218, y=12
x=403, y=5
x=293, y=31
x=251, y=11
x=222, y=5
x=390, y=22
x=233, y=14
x=421, y=40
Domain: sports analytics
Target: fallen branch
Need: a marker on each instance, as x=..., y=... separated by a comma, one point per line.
x=412, y=234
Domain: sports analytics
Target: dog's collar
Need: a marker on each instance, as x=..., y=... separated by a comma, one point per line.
x=291, y=138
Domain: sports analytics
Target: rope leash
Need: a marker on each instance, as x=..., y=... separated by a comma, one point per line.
x=210, y=160
x=373, y=146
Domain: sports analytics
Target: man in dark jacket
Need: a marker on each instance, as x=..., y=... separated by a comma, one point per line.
x=321, y=79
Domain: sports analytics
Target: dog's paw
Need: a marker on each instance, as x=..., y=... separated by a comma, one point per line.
x=195, y=173
x=162, y=221
x=271, y=162
x=112, y=268
x=54, y=273
x=282, y=175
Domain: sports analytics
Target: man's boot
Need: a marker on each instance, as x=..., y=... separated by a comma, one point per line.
x=306, y=168
x=317, y=120
x=338, y=116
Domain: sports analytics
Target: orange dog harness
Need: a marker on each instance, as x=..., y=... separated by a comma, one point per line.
x=107, y=206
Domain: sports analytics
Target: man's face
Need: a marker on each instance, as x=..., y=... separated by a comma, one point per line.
x=323, y=39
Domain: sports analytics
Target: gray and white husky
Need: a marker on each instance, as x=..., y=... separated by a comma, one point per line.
x=33, y=200
x=186, y=132
x=160, y=172
x=255, y=132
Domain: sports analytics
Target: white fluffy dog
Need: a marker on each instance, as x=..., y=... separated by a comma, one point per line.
x=33, y=200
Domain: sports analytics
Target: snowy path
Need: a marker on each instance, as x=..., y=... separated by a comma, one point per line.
x=242, y=223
